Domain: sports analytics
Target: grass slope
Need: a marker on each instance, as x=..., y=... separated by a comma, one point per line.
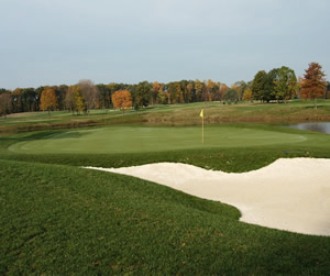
x=59, y=219
x=65, y=220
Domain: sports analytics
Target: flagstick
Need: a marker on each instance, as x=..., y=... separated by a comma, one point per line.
x=203, y=130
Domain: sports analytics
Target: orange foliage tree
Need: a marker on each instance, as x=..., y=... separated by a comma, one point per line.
x=122, y=99
x=313, y=85
x=48, y=100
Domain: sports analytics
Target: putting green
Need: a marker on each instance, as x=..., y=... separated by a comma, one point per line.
x=151, y=139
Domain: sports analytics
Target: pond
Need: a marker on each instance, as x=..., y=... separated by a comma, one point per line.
x=323, y=127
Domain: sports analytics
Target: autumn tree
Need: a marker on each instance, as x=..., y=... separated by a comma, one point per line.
x=74, y=100
x=163, y=95
x=190, y=89
x=223, y=90
x=247, y=94
x=199, y=90
x=48, y=99
x=156, y=88
x=212, y=89
x=313, y=84
x=186, y=93
x=175, y=91
x=122, y=99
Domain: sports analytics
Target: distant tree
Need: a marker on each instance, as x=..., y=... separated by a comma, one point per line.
x=122, y=99
x=29, y=99
x=247, y=94
x=269, y=93
x=175, y=92
x=313, y=85
x=327, y=96
x=74, y=100
x=48, y=99
x=223, y=90
x=200, y=90
x=80, y=104
x=163, y=96
x=5, y=103
x=239, y=86
x=105, y=95
x=141, y=94
x=90, y=94
x=231, y=96
x=190, y=90
x=211, y=90
x=285, y=84
x=17, y=100
x=258, y=86
x=156, y=88
x=186, y=93
x=60, y=95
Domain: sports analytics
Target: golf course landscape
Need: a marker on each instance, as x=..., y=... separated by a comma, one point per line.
x=59, y=218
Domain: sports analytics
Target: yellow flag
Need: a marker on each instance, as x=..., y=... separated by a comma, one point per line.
x=202, y=113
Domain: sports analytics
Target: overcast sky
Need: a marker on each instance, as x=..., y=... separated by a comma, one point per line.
x=53, y=42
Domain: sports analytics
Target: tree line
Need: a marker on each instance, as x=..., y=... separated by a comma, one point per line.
x=279, y=84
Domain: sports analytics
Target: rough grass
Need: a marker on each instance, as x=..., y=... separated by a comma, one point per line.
x=62, y=220
x=172, y=115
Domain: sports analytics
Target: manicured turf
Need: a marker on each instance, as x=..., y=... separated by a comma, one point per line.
x=59, y=219
x=150, y=139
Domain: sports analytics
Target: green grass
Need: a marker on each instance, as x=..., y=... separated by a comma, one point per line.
x=151, y=139
x=172, y=115
x=57, y=218
x=63, y=220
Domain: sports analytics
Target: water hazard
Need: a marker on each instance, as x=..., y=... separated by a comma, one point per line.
x=323, y=127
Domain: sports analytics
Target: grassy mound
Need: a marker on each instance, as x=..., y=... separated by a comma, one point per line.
x=65, y=220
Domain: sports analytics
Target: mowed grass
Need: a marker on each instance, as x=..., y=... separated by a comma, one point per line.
x=59, y=220
x=134, y=139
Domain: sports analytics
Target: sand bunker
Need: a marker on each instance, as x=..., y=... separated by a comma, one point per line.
x=289, y=194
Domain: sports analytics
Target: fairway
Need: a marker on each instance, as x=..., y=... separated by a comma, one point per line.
x=123, y=139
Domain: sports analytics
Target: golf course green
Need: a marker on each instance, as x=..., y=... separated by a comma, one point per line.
x=151, y=139
x=58, y=218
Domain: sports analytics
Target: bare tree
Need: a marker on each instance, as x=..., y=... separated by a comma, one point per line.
x=90, y=94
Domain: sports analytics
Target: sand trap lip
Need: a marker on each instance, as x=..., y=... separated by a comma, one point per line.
x=289, y=194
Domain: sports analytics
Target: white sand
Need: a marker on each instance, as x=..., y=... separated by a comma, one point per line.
x=289, y=194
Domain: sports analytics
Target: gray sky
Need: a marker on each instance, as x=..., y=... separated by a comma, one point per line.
x=53, y=42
